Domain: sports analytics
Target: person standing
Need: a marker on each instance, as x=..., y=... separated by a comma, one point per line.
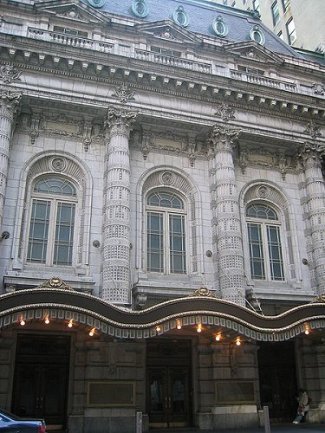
x=303, y=406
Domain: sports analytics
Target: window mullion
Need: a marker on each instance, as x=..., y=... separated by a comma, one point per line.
x=265, y=244
x=51, y=236
x=167, y=249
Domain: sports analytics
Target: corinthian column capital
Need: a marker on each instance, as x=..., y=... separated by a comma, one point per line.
x=9, y=101
x=223, y=138
x=119, y=121
x=311, y=151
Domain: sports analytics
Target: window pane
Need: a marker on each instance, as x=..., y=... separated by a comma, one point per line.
x=38, y=231
x=275, y=253
x=164, y=199
x=256, y=251
x=275, y=12
x=177, y=244
x=63, y=246
x=261, y=211
x=55, y=185
x=155, y=253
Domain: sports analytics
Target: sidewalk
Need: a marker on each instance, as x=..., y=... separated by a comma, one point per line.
x=278, y=428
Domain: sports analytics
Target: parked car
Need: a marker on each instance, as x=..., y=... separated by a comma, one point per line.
x=10, y=423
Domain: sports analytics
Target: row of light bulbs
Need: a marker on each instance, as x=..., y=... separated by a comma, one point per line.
x=91, y=333
x=218, y=337
x=199, y=328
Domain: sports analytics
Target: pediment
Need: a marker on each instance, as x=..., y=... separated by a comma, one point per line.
x=254, y=52
x=72, y=10
x=168, y=30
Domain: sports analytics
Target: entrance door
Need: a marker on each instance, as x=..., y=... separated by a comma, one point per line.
x=278, y=379
x=168, y=390
x=168, y=397
x=41, y=377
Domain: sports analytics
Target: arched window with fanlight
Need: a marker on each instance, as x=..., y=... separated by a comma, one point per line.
x=51, y=231
x=166, y=240
x=264, y=238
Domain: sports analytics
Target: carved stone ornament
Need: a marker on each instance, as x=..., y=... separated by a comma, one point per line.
x=202, y=291
x=313, y=130
x=319, y=89
x=8, y=74
x=223, y=138
x=55, y=283
x=167, y=178
x=124, y=94
x=311, y=150
x=225, y=112
x=58, y=164
x=320, y=298
x=263, y=191
x=119, y=116
x=12, y=99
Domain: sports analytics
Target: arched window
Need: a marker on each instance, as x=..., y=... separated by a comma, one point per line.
x=52, y=221
x=264, y=238
x=166, y=251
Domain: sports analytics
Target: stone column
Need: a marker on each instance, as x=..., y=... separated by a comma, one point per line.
x=227, y=238
x=310, y=155
x=8, y=104
x=116, y=211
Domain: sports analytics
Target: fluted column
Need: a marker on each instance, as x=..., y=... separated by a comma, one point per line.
x=8, y=105
x=310, y=155
x=116, y=243
x=226, y=222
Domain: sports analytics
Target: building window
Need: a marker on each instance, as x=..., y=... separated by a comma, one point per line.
x=285, y=4
x=140, y=8
x=280, y=35
x=264, y=238
x=52, y=221
x=291, y=29
x=219, y=27
x=166, y=233
x=275, y=13
x=256, y=5
x=257, y=35
x=180, y=17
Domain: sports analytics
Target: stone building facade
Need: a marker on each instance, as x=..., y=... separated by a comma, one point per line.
x=162, y=207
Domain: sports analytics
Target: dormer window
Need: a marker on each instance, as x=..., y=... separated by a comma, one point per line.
x=180, y=17
x=97, y=3
x=219, y=27
x=140, y=8
x=257, y=35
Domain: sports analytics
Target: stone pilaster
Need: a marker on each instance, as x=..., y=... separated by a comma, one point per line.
x=8, y=104
x=116, y=211
x=310, y=155
x=227, y=238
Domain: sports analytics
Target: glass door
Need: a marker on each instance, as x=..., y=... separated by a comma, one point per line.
x=168, y=397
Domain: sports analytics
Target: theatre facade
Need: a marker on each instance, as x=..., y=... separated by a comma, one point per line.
x=162, y=208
